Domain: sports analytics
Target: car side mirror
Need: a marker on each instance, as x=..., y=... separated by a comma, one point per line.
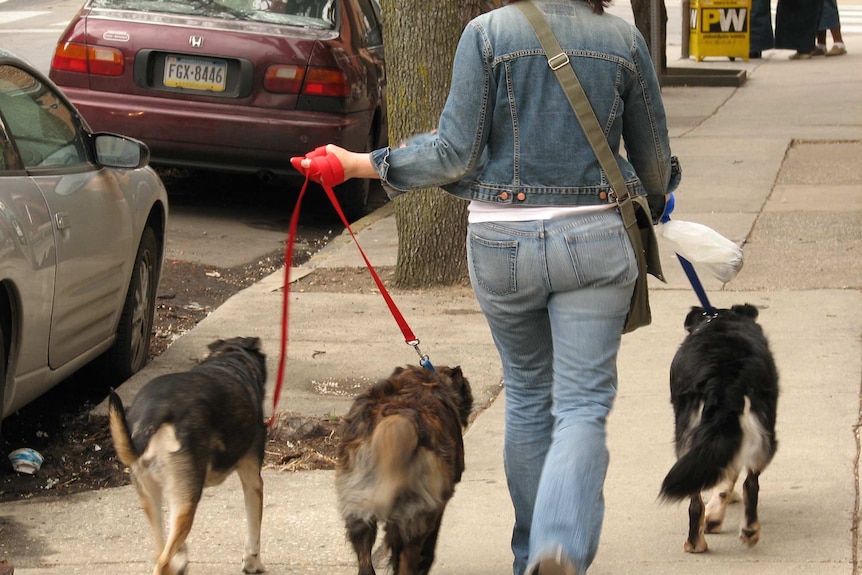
x=115, y=151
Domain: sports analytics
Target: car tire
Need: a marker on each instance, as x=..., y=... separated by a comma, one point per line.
x=131, y=349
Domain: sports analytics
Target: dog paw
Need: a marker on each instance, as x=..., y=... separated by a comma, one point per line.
x=749, y=536
x=252, y=564
x=178, y=564
x=699, y=547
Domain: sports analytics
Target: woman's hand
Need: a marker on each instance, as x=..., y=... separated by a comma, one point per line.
x=353, y=164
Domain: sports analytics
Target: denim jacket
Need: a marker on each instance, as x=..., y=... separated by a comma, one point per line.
x=507, y=133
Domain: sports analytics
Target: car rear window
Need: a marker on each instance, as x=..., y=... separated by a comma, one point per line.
x=306, y=13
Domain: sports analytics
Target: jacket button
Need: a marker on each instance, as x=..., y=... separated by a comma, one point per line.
x=603, y=195
x=504, y=196
x=522, y=196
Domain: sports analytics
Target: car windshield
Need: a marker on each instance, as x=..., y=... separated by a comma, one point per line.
x=306, y=13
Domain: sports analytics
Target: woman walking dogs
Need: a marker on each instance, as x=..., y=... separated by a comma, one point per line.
x=549, y=258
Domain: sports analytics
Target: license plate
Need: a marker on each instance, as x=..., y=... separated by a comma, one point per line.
x=195, y=73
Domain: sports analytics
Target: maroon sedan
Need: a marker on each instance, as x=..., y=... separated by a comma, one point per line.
x=230, y=85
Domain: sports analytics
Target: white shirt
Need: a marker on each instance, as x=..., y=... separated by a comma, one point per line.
x=478, y=212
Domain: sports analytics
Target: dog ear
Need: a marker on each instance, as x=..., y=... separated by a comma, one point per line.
x=246, y=343
x=251, y=343
x=456, y=374
x=746, y=310
x=216, y=345
x=465, y=393
x=694, y=318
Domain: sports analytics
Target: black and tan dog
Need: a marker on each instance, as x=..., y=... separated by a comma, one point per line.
x=186, y=431
x=400, y=457
x=724, y=391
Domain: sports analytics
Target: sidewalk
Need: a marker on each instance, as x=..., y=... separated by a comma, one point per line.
x=773, y=163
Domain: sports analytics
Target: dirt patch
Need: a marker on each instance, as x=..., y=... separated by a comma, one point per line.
x=81, y=457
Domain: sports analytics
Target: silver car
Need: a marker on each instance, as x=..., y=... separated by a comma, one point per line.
x=82, y=236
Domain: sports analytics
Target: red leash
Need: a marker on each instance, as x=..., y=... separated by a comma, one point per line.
x=409, y=337
x=285, y=298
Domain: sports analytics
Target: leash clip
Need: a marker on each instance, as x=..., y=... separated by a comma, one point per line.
x=424, y=361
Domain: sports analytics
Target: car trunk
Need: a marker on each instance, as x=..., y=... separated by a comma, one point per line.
x=176, y=83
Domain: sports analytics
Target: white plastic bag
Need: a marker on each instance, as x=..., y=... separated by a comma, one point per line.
x=703, y=247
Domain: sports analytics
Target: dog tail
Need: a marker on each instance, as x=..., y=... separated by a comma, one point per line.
x=120, y=431
x=393, y=444
x=713, y=444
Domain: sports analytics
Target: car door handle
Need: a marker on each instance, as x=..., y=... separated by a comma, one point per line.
x=62, y=220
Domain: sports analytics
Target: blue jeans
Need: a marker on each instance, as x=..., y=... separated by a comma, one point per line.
x=555, y=294
x=829, y=17
x=761, y=35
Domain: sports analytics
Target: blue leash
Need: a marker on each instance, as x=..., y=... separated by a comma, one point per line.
x=698, y=287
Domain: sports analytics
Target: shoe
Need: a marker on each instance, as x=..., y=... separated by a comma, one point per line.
x=819, y=51
x=800, y=56
x=836, y=51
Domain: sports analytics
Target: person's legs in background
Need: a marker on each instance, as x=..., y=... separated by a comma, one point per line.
x=796, y=23
x=761, y=36
x=830, y=22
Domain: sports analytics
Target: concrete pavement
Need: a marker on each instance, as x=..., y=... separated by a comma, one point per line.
x=772, y=164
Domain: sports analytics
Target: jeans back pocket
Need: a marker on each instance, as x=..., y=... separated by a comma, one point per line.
x=493, y=264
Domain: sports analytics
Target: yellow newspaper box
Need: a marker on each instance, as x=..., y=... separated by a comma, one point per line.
x=720, y=28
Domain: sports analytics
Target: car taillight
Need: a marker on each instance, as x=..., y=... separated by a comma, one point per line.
x=70, y=57
x=314, y=82
x=283, y=79
x=93, y=59
x=325, y=82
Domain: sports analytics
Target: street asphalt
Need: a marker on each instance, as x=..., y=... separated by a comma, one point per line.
x=772, y=165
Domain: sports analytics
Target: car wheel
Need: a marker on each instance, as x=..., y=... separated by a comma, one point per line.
x=132, y=346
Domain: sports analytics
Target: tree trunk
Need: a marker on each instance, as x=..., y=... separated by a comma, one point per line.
x=642, y=11
x=420, y=40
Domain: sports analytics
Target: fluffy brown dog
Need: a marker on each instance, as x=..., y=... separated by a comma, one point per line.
x=400, y=456
x=186, y=431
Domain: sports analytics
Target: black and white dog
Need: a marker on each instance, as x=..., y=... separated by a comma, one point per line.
x=724, y=391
